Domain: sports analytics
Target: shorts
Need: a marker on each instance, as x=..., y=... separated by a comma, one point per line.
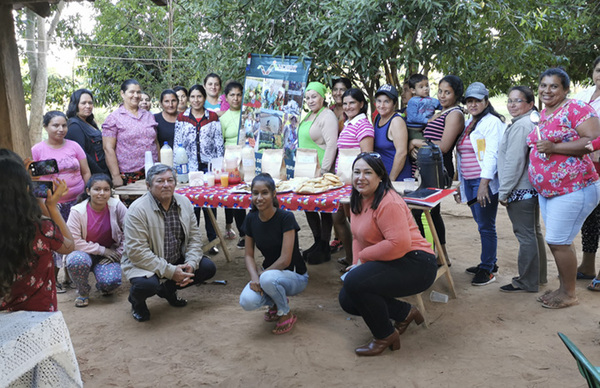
x=565, y=214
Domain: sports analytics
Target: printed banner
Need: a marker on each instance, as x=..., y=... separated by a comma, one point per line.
x=272, y=104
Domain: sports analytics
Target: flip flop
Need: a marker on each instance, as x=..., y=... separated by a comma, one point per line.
x=271, y=314
x=82, y=301
x=558, y=304
x=594, y=285
x=541, y=297
x=287, y=325
x=343, y=261
x=582, y=276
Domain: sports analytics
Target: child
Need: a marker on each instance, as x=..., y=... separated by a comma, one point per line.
x=420, y=107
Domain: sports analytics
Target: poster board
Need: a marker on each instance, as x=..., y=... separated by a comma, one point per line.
x=272, y=104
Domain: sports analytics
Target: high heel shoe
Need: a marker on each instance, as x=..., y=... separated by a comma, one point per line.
x=413, y=315
x=377, y=346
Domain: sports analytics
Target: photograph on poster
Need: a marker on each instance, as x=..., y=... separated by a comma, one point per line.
x=272, y=105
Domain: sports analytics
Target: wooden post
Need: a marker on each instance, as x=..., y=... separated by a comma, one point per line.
x=13, y=119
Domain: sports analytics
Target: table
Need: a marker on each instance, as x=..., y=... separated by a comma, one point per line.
x=36, y=351
x=219, y=196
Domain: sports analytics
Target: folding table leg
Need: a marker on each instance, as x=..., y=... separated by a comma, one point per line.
x=221, y=242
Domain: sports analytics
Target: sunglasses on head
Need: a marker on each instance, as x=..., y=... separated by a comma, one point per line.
x=373, y=154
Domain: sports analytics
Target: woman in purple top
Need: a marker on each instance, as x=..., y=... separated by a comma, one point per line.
x=127, y=134
x=391, y=134
x=444, y=129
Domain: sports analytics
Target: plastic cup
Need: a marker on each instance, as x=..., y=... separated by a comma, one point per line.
x=409, y=184
x=438, y=297
x=225, y=180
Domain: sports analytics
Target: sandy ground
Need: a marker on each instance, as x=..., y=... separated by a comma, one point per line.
x=484, y=338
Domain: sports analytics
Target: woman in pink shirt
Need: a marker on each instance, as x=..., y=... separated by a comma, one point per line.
x=97, y=227
x=72, y=163
x=127, y=133
x=564, y=177
x=391, y=258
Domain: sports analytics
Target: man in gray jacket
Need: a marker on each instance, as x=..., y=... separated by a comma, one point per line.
x=162, y=241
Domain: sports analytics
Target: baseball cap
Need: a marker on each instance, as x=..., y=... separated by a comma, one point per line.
x=388, y=90
x=477, y=90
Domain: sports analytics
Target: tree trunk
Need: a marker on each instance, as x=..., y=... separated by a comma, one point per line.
x=37, y=47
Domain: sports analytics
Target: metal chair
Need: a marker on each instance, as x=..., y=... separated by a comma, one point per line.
x=586, y=368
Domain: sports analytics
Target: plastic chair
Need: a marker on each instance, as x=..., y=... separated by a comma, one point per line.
x=586, y=368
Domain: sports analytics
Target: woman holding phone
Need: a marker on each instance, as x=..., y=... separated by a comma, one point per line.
x=27, y=280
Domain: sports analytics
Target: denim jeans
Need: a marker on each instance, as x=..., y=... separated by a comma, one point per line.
x=485, y=217
x=277, y=285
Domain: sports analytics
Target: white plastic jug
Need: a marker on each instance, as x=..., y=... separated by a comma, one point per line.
x=166, y=155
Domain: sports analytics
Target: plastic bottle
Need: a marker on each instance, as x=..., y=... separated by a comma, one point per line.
x=166, y=155
x=148, y=161
x=248, y=162
x=181, y=164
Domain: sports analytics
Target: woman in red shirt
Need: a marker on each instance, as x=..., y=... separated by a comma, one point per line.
x=390, y=257
x=28, y=239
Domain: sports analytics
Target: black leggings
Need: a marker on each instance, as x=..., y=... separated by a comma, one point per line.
x=438, y=222
x=239, y=215
x=371, y=288
x=590, y=231
x=320, y=225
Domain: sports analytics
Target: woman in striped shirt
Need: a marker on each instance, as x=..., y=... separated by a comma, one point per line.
x=477, y=152
x=443, y=129
x=357, y=133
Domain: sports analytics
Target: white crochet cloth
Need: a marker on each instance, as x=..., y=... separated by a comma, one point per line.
x=36, y=351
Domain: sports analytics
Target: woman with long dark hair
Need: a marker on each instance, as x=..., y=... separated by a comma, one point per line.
x=165, y=130
x=443, y=130
x=96, y=223
x=283, y=272
x=27, y=279
x=477, y=152
x=84, y=130
x=391, y=258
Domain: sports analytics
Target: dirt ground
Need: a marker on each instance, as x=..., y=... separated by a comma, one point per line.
x=484, y=338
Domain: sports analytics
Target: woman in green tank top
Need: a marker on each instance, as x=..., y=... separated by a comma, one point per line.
x=319, y=131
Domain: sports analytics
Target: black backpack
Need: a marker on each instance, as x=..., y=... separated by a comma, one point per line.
x=431, y=167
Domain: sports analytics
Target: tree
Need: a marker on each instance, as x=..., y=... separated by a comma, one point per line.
x=369, y=41
x=38, y=33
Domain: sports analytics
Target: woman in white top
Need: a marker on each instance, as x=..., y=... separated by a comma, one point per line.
x=477, y=151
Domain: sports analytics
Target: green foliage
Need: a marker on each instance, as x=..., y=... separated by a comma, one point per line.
x=499, y=43
x=57, y=95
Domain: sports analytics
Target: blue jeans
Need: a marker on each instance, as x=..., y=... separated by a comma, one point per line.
x=486, y=223
x=277, y=285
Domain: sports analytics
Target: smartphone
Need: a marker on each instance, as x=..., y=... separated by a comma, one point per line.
x=472, y=202
x=43, y=167
x=40, y=188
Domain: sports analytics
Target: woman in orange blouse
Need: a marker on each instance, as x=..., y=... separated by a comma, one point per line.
x=391, y=259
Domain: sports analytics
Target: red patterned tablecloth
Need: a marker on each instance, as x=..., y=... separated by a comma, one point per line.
x=217, y=196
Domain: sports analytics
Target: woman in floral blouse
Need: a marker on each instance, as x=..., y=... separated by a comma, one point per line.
x=28, y=239
x=564, y=176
